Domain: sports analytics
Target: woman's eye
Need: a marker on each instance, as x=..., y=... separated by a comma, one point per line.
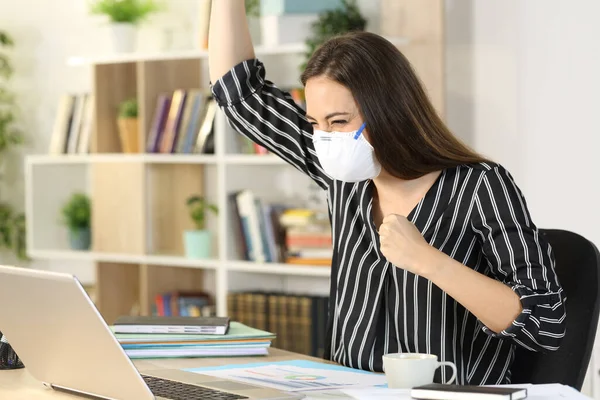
x=339, y=122
x=313, y=123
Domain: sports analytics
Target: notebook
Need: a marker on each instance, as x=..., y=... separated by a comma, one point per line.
x=437, y=391
x=172, y=324
x=240, y=340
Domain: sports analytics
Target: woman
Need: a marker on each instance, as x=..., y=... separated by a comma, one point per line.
x=434, y=248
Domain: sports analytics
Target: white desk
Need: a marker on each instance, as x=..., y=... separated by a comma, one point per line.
x=20, y=385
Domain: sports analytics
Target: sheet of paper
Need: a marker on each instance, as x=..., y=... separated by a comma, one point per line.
x=534, y=392
x=377, y=394
x=296, y=376
x=330, y=394
x=554, y=392
x=551, y=391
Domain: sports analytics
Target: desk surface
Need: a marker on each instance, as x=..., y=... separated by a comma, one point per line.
x=19, y=385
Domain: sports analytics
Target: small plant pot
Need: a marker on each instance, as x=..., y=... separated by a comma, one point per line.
x=80, y=239
x=198, y=244
x=124, y=37
x=129, y=135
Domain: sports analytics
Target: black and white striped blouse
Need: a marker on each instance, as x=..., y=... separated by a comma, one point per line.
x=474, y=213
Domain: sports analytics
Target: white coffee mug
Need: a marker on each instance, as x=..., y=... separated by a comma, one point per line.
x=407, y=370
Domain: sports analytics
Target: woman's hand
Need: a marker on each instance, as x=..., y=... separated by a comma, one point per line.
x=404, y=246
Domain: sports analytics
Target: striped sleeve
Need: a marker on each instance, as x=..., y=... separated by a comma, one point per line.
x=518, y=256
x=268, y=116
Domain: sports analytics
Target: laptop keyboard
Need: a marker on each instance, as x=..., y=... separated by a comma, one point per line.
x=182, y=391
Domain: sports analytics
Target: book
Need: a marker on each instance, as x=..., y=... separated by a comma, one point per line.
x=172, y=324
x=237, y=332
x=438, y=391
x=240, y=340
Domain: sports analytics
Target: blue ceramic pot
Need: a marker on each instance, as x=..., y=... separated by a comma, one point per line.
x=80, y=238
x=198, y=244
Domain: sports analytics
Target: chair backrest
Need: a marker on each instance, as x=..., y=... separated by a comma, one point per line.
x=578, y=270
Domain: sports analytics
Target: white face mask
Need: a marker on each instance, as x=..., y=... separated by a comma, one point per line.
x=346, y=156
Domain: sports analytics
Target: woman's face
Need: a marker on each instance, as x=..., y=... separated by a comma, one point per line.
x=331, y=106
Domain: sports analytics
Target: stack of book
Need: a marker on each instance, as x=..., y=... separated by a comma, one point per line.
x=299, y=319
x=270, y=232
x=239, y=340
x=183, y=304
x=308, y=237
x=73, y=124
x=183, y=123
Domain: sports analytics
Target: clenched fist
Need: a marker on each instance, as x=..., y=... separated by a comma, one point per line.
x=404, y=246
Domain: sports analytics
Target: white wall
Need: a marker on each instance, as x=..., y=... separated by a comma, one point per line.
x=530, y=98
x=524, y=89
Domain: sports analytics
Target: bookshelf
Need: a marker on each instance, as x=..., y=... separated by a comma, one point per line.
x=138, y=200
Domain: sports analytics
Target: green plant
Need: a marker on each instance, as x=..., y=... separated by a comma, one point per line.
x=77, y=212
x=198, y=207
x=253, y=8
x=128, y=109
x=12, y=223
x=332, y=23
x=128, y=11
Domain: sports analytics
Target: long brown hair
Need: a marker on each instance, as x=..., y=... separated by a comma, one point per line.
x=409, y=138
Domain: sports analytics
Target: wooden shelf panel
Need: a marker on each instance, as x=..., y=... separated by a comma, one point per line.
x=113, y=84
x=169, y=187
x=425, y=50
x=118, y=218
x=117, y=290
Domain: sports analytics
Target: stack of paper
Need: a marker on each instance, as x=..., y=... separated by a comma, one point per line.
x=240, y=340
x=295, y=375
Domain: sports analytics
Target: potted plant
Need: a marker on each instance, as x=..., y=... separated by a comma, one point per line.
x=128, y=124
x=77, y=216
x=332, y=23
x=124, y=16
x=198, y=243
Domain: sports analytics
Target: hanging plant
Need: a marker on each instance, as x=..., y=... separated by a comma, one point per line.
x=12, y=223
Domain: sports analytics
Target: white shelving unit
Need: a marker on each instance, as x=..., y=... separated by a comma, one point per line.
x=51, y=179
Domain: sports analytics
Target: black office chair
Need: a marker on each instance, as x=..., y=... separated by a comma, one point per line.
x=578, y=270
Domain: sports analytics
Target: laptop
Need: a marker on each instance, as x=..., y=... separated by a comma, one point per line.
x=60, y=336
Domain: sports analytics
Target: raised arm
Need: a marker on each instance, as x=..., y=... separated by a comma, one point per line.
x=229, y=41
x=255, y=107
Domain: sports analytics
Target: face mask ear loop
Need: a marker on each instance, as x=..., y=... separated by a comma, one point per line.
x=359, y=131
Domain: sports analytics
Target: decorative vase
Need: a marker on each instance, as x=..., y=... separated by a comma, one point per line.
x=124, y=37
x=80, y=238
x=129, y=134
x=198, y=244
